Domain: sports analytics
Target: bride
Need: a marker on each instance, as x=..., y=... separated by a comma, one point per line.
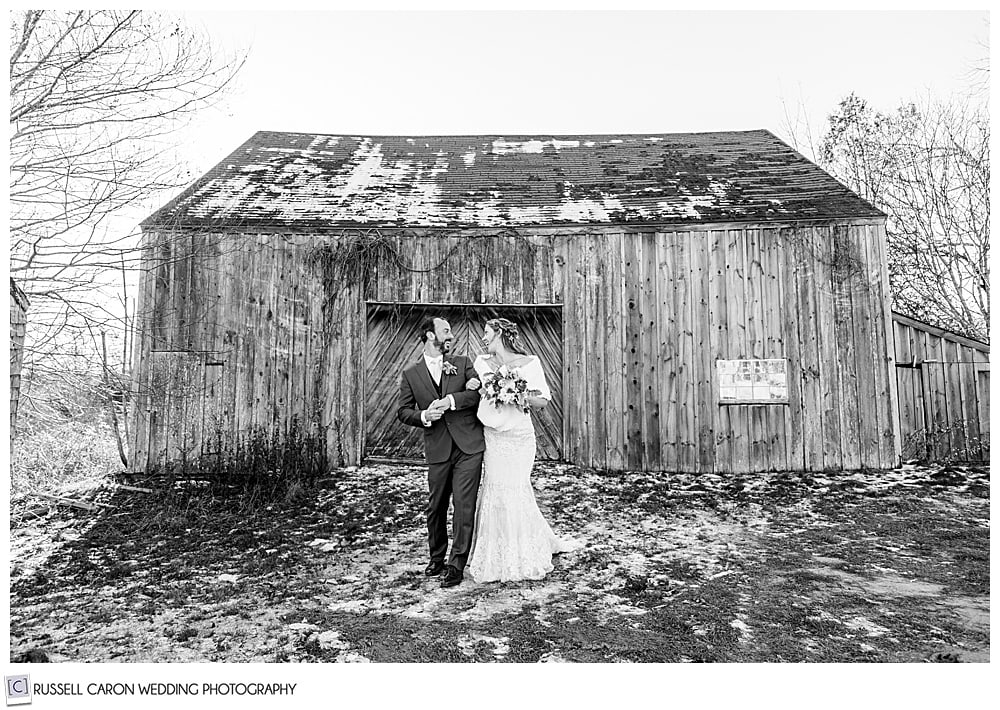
x=512, y=540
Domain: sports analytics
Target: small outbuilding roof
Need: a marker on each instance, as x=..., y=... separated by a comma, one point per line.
x=307, y=181
x=18, y=296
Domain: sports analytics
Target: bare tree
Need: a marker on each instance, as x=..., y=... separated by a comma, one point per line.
x=97, y=101
x=928, y=168
x=96, y=97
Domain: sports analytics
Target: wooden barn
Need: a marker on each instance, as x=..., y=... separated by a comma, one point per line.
x=706, y=302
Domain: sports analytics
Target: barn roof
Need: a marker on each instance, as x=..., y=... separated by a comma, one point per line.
x=310, y=180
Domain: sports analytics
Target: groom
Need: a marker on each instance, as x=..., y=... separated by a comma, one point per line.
x=433, y=396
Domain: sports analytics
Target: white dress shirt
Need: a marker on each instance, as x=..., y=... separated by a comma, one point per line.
x=434, y=366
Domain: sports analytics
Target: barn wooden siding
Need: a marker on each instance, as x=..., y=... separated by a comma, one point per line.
x=944, y=388
x=647, y=313
x=241, y=333
x=234, y=337
x=18, y=327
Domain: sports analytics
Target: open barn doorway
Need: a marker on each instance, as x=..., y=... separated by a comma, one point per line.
x=394, y=343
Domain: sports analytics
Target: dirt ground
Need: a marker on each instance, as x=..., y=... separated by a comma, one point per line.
x=879, y=566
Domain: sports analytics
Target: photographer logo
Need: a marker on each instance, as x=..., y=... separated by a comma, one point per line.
x=18, y=689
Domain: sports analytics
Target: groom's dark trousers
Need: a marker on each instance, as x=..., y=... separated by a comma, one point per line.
x=453, y=446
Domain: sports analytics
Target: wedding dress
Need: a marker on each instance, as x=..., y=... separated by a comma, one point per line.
x=512, y=540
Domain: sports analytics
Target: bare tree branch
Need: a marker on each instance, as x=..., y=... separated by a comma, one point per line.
x=98, y=98
x=927, y=167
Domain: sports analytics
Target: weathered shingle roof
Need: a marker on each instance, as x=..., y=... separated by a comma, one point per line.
x=309, y=180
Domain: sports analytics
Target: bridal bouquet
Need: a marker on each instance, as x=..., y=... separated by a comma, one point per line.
x=506, y=386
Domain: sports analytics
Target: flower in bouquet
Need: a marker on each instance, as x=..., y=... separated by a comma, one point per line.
x=507, y=387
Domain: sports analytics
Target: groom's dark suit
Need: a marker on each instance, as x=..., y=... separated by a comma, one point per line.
x=454, y=448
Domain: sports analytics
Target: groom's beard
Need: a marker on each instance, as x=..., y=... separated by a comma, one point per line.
x=443, y=346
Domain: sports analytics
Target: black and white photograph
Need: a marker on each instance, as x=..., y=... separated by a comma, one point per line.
x=495, y=337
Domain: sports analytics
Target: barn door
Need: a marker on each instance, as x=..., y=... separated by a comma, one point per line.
x=394, y=344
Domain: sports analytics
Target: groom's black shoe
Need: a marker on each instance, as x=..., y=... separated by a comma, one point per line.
x=452, y=576
x=434, y=568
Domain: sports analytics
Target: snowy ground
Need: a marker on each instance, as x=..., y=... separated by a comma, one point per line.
x=870, y=566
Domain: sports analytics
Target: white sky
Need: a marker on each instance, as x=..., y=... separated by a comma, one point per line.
x=559, y=72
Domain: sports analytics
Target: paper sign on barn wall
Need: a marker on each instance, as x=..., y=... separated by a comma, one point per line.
x=753, y=381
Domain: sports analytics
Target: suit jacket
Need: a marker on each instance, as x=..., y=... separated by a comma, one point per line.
x=459, y=426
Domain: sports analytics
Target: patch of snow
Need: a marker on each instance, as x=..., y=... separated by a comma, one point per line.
x=502, y=147
x=582, y=211
x=824, y=615
x=860, y=623
x=351, y=605
x=327, y=141
x=330, y=640
x=352, y=657
x=469, y=158
x=612, y=604
x=551, y=657
x=635, y=562
x=611, y=203
x=467, y=644
x=220, y=201
x=745, y=632
x=368, y=159
x=301, y=166
x=522, y=215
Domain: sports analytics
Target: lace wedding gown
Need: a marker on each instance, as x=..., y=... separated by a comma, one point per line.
x=512, y=540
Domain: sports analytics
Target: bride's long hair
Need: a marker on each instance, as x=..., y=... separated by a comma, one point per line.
x=510, y=336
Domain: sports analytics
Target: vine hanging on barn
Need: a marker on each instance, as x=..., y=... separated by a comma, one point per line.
x=355, y=256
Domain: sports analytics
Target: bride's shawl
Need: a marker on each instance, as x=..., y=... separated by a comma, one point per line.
x=507, y=417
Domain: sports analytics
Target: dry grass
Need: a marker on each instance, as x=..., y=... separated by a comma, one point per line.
x=62, y=456
x=64, y=442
